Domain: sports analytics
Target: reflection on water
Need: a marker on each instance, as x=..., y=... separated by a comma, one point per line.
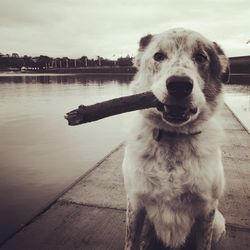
x=240, y=106
x=40, y=154
x=65, y=78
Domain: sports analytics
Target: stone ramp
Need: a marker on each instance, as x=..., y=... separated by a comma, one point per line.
x=91, y=215
x=72, y=226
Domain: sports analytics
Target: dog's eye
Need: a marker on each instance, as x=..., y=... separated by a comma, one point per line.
x=159, y=56
x=200, y=58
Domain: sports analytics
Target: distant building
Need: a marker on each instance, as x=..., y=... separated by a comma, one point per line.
x=240, y=64
x=24, y=69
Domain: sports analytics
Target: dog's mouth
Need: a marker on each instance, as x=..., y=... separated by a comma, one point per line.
x=177, y=114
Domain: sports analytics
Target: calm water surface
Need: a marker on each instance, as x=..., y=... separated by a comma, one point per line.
x=237, y=99
x=40, y=155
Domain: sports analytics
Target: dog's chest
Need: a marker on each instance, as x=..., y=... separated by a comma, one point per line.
x=171, y=171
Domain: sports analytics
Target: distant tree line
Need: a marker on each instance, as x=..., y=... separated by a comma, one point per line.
x=42, y=62
x=238, y=65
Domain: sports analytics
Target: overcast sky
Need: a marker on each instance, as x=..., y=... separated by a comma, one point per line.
x=111, y=28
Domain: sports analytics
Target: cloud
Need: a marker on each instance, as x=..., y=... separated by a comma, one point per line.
x=95, y=27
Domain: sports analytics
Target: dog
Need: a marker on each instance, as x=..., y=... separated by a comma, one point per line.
x=172, y=167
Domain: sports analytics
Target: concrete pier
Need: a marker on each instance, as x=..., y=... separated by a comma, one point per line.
x=91, y=215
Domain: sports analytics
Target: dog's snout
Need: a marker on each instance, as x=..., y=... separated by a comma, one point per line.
x=179, y=86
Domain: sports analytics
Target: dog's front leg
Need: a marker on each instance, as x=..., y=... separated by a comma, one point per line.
x=134, y=224
x=205, y=231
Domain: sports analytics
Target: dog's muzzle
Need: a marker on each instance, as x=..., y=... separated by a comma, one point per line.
x=178, y=108
x=178, y=114
x=179, y=87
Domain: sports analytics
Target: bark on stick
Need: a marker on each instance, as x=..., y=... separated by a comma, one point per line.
x=112, y=107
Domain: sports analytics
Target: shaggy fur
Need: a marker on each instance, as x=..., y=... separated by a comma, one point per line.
x=175, y=182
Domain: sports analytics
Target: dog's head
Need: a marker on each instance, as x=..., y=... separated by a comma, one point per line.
x=185, y=71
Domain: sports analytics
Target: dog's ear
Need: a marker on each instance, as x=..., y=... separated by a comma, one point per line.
x=144, y=42
x=224, y=73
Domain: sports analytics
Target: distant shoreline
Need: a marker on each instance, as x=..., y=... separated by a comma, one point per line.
x=83, y=70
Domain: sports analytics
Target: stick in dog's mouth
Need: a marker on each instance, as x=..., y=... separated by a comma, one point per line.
x=112, y=107
x=172, y=113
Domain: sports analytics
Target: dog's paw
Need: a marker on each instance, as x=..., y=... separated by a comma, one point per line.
x=219, y=230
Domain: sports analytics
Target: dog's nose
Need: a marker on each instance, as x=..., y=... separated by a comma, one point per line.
x=179, y=87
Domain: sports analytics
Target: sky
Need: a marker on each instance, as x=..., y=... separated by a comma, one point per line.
x=113, y=28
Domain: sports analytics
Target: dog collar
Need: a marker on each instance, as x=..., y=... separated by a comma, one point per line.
x=159, y=133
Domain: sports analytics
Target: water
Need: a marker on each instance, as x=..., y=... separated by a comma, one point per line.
x=237, y=99
x=40, y=155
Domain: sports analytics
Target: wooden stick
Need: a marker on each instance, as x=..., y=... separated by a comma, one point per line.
x=112, y=107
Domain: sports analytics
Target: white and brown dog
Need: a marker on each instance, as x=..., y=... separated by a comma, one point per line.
x=172, y=168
